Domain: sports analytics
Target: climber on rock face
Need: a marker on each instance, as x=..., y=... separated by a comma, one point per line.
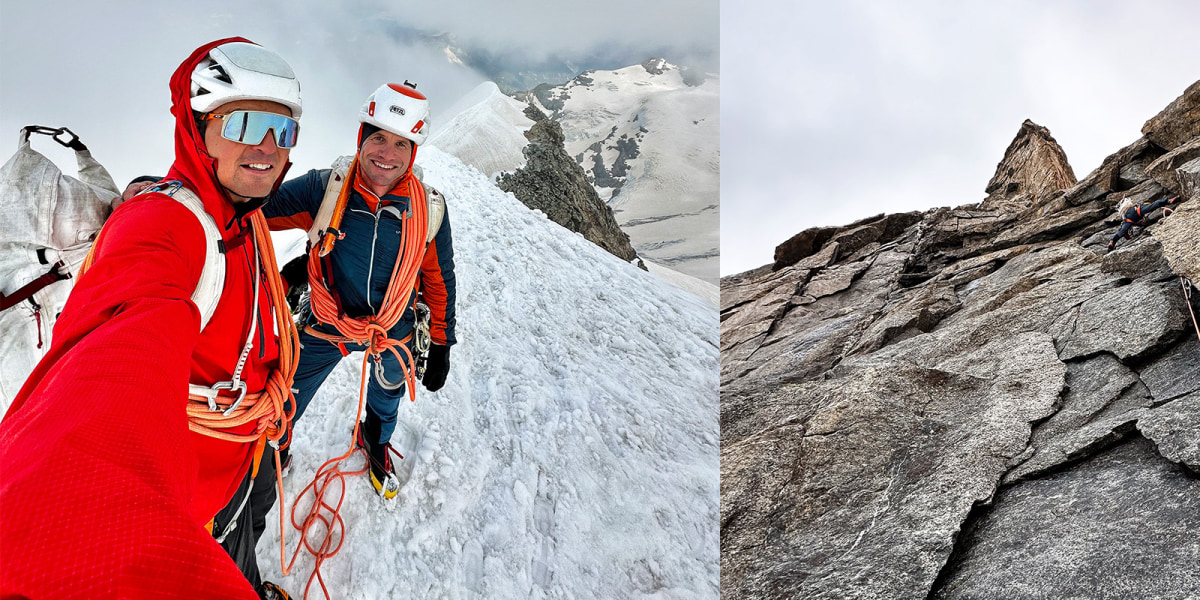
x=1133, y=213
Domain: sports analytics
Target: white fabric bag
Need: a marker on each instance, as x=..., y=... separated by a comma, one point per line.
x=45, y=218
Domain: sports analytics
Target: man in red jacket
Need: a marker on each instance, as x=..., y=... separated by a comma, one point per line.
x=110, y=475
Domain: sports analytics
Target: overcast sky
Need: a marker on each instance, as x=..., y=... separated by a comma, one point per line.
x=102, y=68
x=835, y=111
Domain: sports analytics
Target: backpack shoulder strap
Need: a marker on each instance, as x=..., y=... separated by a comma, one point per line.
x=212, y=276
x=437, y=210
x=333, y=188
x=337, y=178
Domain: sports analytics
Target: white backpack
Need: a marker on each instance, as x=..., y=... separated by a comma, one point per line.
x=48, y=222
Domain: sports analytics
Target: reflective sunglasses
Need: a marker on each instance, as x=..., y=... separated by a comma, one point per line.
x=250, y=127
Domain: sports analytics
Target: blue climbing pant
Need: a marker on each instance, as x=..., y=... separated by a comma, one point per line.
x=318, y=357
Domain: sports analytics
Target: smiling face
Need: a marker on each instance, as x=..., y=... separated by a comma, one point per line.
x=246, y=171
x=383, y=159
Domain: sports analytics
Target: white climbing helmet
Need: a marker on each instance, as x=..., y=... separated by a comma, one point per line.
x=400, y=109
x=243, y=71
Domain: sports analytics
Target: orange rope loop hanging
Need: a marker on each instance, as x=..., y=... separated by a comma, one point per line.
x=322, y=531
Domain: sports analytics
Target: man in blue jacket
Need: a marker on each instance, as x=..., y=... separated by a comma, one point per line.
x=353, y=295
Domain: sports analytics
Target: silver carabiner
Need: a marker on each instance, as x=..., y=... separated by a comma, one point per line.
x=421, y=335
x=233, y=386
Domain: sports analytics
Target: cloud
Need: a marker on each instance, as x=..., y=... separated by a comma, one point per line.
x=863, y=107
x=102, y=68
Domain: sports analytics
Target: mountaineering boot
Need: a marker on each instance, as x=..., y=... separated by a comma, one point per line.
x=270, y=591
x=1111, y=245
x=383, y=477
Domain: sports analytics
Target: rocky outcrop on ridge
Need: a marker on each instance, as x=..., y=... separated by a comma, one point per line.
x=646, y=136
x=975, y=402
x=555, y=184
x=1034, y=167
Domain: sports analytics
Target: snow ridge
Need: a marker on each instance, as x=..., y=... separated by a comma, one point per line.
x=487, y=130
x=574, y=452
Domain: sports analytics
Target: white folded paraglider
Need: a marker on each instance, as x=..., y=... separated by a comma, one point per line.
x=48, y=222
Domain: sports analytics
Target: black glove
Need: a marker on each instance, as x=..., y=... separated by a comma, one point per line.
x=436, y=367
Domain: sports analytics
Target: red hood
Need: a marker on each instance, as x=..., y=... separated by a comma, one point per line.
x=193, y=166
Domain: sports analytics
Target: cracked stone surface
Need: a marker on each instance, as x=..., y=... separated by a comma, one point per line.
x=1175, y=428
x=1174, y=373
x=1125, y=524
x=1104, y=400
x=856, y=486
x=1178, y=234
x=989, y=367
x=1126, y=321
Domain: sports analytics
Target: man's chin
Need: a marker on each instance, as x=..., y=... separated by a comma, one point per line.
x=244, y=195
x=388, y=181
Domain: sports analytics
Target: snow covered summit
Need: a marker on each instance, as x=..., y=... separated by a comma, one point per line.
x=648, y=136
x=574, y=451
x=486, y=131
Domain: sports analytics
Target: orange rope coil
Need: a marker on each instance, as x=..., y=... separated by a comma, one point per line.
x=267, y=407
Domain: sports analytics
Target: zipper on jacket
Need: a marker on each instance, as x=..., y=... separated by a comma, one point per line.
x=371, y=261
x=379, y=208
x=262, y=336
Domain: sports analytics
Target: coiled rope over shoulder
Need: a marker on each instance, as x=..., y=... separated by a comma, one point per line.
x=322, y=530
x=372, y=331
x=269, y=408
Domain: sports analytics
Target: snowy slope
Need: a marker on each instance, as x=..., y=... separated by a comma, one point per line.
x=486, y=130
x=665, y=190
x=574, y=450
x=709, y=292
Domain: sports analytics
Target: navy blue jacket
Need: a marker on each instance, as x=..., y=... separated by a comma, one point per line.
x=362, y=262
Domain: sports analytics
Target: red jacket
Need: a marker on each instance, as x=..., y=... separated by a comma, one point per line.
x=104, y=491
